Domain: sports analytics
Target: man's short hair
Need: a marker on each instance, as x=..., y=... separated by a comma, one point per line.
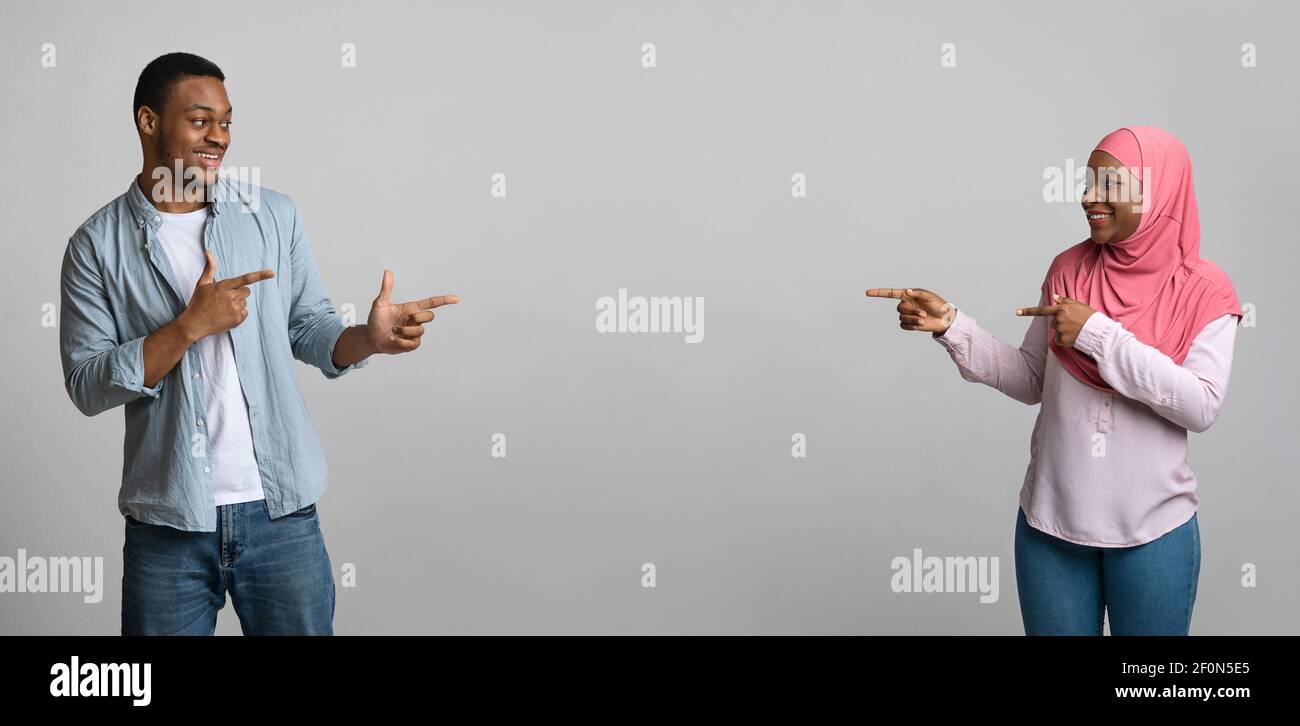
x=165, y=71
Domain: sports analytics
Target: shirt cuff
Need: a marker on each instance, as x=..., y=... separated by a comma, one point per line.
x=127, y=370
x=1092, y=337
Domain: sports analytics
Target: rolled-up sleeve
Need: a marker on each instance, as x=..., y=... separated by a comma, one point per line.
x=99, y=372
x=314, y=326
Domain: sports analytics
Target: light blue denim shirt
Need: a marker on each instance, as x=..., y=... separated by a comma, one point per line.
x=118, y=287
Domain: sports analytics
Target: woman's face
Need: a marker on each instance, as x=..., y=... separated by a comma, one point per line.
x=1112, y=203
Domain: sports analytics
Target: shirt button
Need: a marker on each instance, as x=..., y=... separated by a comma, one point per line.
x=207, y=470
x=1164, y=399
x=196, y=375
x=1108, y=402
x=155, y=219
x=198, y=423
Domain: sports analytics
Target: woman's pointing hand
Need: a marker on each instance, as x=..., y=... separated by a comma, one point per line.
x=919, y=309
x=1066, y=317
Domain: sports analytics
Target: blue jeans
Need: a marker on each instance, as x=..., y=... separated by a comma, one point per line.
x=1147, y=590
x=277, y=572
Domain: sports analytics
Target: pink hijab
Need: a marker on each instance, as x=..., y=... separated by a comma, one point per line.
x=1154, y=283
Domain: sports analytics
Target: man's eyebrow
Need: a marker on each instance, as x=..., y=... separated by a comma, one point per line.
x=201, y=107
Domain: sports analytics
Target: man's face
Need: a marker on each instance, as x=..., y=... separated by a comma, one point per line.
x=193, y=127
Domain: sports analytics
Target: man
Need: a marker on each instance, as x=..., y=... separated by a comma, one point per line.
x=185, y=300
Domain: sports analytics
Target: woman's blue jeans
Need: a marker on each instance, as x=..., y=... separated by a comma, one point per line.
x=1147, y=590
x=277, y=572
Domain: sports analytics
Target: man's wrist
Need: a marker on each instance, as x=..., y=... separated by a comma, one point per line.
x=371, y=348
x=353, y=346
x=185, y=329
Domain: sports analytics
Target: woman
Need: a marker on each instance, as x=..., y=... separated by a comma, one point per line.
x=1140, y=330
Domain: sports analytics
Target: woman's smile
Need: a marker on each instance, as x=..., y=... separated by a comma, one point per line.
x=1099, y=217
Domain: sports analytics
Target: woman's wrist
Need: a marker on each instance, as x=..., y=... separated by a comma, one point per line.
x=949, y=317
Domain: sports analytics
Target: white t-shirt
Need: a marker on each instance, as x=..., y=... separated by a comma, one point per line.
x=229, y=438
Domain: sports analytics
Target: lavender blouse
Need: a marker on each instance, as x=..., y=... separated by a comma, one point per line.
x=1105, y=470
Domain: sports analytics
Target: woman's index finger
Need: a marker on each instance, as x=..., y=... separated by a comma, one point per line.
x=1049, y=310
x=893, y=292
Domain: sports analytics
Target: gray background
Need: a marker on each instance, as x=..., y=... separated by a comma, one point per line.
x=625, y=449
